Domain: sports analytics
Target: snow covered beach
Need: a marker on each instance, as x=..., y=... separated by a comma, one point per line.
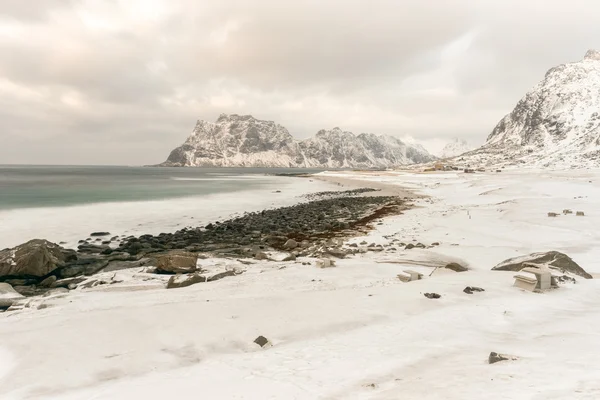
x=353, y=331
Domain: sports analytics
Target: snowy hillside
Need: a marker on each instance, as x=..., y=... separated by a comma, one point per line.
x=242, y=140
x=455, y=148
x=556, y=124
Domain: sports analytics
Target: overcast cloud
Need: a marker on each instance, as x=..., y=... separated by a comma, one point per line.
x=123, y=81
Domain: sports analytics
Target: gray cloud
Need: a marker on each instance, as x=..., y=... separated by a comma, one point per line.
x=123, y=81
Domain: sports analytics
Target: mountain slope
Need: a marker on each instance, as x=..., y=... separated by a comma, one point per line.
x=556, y=124
x=455, y=148
x=244, y=141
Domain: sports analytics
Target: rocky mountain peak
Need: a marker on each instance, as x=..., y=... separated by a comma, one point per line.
x=242, y=140
x=592, y=55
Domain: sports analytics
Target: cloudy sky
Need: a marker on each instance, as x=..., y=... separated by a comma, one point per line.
x=123, y=81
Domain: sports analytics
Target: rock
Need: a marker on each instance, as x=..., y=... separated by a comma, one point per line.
x=8, y=295
x=553, y=259
x=579, y=214
x=120, y=265
x=177, y=262
x=435, y=243
x=567, y=211
x=69, y=283
x=456, y=267
x=21, y=282
x=48, y=282
x=290, y=244
x=225, y=274
x=432, y=295
x=99, y=234
x=565, y=279
x=87, y=265
x=291, y=257
x=29, y=291
x=420, y=245
x=409, y=246
x=56, y=291
x=261, y=256
x=180, y=281
x=353, y=245
x=552, y=214
x=262, y=341
x=35, y=258
x=472, y=289
x=495, y=357
x=338, y=253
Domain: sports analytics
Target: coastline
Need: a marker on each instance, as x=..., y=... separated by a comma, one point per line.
x=358, y=327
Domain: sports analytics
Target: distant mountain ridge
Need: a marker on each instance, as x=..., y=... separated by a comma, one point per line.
x=556, y=124
x=455, y=148
x=244, y=141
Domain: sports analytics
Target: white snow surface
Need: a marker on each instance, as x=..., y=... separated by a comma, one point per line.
x=244, y=141
x=350, y=332
x=556, y=124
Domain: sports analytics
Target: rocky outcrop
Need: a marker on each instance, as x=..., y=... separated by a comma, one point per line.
x=455, y=148
x=35, y=258
x=244, y=141
x=553, y=259
x=556, y=124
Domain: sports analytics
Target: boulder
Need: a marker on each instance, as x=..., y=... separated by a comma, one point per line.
x=177, y=262
x=35, y=258
x=290, y=257
x=432, y=295
x=262, y=341
x=222, y=275
x=48, y=282
x=8, y=295
x=86, y=265
x=100, y=234
x=261, y=256
x=291, y=244
x=180, y=281
x=553, y=259
x=456, y=267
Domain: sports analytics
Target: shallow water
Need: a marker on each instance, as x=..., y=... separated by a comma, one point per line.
x=58, y=186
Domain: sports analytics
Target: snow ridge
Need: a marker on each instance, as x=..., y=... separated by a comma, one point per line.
x=556, y=124
x=244, y=141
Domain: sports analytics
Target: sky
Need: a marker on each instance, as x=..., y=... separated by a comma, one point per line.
x=122, y=82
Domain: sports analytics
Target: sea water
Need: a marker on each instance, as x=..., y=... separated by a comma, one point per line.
x=65, y=204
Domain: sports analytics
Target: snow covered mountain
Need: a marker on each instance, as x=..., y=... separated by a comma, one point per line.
x=244, y=141
x=455, y=148
x=557, y=124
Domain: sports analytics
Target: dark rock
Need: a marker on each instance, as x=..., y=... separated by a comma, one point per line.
x=222, y=275
x=432, y=295
x=566, y=279
x=99, y=234
x=456, y=267
x=261, y=341
x=261, y=256
x=553, y=259
x=353, y=245
x=495, y=357
x=48, y=282
x=435, y=243
x=471, y=289
x=338, y=253
x=120, y=265
x=21, y=282
x=409, y=246
x=87, y=265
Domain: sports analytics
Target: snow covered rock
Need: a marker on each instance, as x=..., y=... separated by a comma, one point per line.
x=495, y=357
x=184, y=280
x=455, y=148
x=244, y=141
x=8, y=295
x=553, y=259
x=35, y=258
x=556, y=124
